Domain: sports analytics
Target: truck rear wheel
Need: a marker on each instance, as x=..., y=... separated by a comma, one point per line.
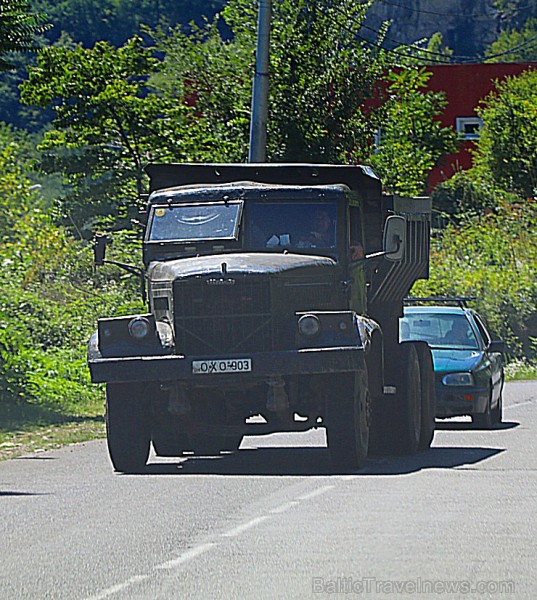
x=348, y=420
x=428, y=402
x=409, y=422
x=128, y=426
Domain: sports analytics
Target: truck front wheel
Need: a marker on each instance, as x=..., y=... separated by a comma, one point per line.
x=348, y=415
x=128, y=426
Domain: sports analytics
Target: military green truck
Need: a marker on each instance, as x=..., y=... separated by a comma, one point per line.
x=274, y=296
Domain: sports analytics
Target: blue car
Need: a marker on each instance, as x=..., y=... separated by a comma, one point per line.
x=468, y=363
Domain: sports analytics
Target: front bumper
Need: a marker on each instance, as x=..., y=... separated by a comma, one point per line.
x=452, y=401
x=264, y=364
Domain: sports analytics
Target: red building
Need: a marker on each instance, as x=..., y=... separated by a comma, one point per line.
x=465, y=85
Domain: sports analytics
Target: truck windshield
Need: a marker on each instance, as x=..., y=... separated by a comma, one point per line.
x=190, y=222
x=276, y=225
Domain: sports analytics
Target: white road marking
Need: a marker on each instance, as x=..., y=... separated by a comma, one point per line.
x=198, y=550
x=244, y=527
x=284, y=507
x=316, y=492
x=119, y=587
x=186, y=556
x=516, y=405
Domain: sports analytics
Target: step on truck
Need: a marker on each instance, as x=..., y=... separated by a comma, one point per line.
x=274, y=295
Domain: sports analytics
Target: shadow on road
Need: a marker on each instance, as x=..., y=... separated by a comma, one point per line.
x=298, y=461
x=451, y=425
x=2, y=494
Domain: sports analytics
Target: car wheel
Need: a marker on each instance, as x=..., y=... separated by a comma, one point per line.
x=484, y=420
x=348, y=416
x=128, y=426
x=497, y=412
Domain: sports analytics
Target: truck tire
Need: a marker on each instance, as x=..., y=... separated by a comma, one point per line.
x=168, y=441
x=169, y=432
x=428, y=397
x=348, y=415
x=128, y=426
x=409, y=413
x=208, y=435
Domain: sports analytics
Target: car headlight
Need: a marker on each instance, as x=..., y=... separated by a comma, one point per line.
x=462, y=379
x=139, y=328
x=309, y=325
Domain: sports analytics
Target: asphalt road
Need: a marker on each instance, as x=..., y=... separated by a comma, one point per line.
x=273, y=520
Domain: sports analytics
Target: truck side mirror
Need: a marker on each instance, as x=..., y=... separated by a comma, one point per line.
x=99, y=249
x=394, y=238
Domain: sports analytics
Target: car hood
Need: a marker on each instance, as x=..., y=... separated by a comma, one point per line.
x=451, y=360
x=235, y=264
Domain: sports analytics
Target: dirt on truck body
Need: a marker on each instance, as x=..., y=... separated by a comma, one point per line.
x=273, y=291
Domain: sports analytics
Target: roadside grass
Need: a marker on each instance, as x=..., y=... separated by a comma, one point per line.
x=520, y=369
x=27, y=427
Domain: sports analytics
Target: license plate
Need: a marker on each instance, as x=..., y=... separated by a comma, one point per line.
x=223, y=365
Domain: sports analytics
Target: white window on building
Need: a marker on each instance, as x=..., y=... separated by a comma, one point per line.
x=469, y=128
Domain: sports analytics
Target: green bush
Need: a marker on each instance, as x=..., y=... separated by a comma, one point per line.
x=494, y=258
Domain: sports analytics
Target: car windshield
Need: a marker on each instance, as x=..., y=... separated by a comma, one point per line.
x=191, y=222
x=438, y=330
x=295, y=226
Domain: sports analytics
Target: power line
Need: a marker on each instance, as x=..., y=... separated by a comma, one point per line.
x=413, y=46
x=418, y=10
x=374, y=44
x=513, y=49
x=467, y=59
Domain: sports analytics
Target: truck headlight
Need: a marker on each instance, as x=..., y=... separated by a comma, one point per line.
x=462, y=379
x=309, y=325
x=139, y=327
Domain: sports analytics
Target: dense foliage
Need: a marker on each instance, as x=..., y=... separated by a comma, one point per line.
x=492, y=256
x=508, y=146
x=90, y=21
x=50, y=295
x=106, y=126
x=19, y=27
x=322, y=75
x=411, y=140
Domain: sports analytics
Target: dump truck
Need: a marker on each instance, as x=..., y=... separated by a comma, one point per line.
x=274, y=295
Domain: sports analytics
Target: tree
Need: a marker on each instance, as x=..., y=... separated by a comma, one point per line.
x=507, y=148
x=322, y=76
x=515, y=45
x=412, y=140
x=513, y=14
x=19, y=28
x=107, y=125
x=116, y=21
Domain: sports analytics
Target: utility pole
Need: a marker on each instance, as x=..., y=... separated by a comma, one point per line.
x=258, y=121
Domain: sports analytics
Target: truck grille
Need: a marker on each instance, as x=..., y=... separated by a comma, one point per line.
x=215, y=316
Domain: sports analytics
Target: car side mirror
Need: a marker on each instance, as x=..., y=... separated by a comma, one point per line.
x=394, y=238
x=497, y=346
x=99, y=249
